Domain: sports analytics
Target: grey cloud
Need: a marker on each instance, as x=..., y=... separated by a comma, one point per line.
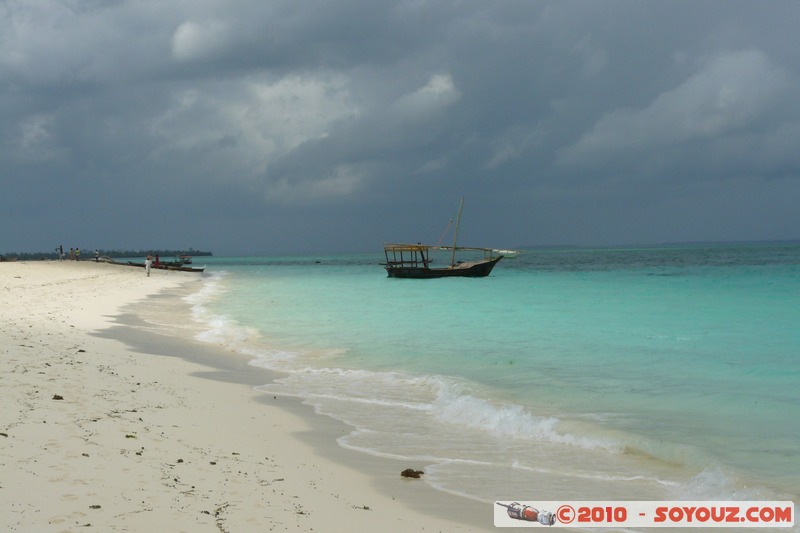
x=345, y=124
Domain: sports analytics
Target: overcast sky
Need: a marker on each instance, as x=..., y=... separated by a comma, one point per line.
x=263, y=126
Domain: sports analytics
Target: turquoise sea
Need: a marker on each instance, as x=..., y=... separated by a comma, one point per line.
x=586, y=374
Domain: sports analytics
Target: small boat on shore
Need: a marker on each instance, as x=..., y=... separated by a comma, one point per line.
x=169, y=266
x=161, y=266
x=414, y=260
x=179, y=261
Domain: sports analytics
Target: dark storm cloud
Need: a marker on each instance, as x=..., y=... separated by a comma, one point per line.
x=246, y=126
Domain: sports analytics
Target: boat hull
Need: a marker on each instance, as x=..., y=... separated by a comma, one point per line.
x=479, y=269
x=162, y=266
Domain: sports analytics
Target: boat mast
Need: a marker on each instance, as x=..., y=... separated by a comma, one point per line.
x=455, y=235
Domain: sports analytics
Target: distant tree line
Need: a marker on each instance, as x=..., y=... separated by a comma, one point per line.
x=89, y=254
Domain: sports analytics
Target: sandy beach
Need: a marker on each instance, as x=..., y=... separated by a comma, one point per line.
x=108, y=424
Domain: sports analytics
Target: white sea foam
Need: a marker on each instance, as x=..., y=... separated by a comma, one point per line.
x=598, y=476
x=438, y=397
x=225, y=331
x=210, y=289
x=716, y=484
x=508, y=421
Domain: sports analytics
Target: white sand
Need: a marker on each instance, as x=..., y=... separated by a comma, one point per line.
x=147, y=442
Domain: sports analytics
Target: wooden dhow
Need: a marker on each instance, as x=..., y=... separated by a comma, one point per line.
x=414, y=260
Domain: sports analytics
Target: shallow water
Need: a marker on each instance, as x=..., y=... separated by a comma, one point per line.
x=650, y=373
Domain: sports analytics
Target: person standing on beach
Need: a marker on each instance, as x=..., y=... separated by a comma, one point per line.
x=147, y=264
x=77, y=254
x=72, y=254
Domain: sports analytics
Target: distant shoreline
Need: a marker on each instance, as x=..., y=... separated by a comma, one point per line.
x=89, y=253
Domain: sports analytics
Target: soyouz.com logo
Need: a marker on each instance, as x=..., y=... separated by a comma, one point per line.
x=644, y=514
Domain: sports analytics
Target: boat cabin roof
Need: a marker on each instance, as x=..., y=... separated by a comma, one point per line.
x=406, y=247
x=426, y=247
